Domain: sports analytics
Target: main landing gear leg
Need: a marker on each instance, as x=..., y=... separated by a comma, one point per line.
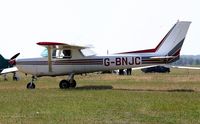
x=65, y=84
x=31, y=84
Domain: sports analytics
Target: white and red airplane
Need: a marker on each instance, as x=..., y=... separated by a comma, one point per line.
x=64, y=59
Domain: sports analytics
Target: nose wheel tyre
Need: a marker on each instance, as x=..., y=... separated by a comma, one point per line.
x=30, y=85
x=64, y=84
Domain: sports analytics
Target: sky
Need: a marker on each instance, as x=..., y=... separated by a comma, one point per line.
x=113, y=25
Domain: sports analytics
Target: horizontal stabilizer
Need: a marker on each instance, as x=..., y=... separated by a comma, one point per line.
x=162, y=57
x=137, y=68
x=186, y=67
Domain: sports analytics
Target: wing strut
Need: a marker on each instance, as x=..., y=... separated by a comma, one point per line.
x=49, y=58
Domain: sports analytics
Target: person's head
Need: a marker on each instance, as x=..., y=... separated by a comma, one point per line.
x=65, y=52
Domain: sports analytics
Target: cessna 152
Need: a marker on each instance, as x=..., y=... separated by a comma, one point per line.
x=64, y=59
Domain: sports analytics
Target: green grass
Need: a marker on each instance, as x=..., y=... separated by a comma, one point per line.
x=140, y=98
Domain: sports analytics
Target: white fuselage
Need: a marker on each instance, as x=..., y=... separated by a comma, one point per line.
x=61, y=66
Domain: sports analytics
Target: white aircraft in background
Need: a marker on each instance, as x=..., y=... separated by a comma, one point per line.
x=64, y=59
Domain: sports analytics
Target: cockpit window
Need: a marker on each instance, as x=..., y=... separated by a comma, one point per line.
x=66, y=53
x=57, y=53
x=44, y=53
x=87, y=52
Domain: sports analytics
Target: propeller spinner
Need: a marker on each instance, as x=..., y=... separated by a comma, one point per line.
x=12, y=59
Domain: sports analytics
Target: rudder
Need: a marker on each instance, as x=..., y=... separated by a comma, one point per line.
x=173, y=41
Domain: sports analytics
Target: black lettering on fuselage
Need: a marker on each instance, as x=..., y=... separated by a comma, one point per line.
x=107, y=62
x=137, y=61
x=118, y=61
x=122, y=61
x=132, y=61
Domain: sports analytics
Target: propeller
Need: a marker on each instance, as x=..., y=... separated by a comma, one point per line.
x=15, y=56
x=12, y=60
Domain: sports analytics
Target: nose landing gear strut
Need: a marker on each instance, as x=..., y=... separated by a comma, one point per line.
x=31, y=84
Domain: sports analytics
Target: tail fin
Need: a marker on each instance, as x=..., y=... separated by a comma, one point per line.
x=171, y=44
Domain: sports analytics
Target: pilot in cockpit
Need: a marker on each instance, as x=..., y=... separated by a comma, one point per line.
x=67, y=53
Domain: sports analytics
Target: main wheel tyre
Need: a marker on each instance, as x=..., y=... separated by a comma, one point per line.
x=64, y=84
x=73, y=84
x=30, y=85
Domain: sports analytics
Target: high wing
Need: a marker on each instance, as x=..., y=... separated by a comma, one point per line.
x=186, y=67
x=60, y=45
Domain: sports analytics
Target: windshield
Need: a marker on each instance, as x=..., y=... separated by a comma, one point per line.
x=44, y=53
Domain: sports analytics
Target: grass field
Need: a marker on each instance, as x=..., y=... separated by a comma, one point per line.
x=139, y=98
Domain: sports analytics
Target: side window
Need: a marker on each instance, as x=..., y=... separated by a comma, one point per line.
x=61, y=54
x=66, y=53
x=54, y=54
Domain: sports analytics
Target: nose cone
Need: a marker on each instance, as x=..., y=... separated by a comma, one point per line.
x=12, y=62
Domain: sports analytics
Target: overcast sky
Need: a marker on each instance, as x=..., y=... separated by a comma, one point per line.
x=114, y=25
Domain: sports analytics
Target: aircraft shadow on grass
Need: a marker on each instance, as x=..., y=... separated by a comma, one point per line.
x=164, y=90
x=94, y=87
x=108, y=87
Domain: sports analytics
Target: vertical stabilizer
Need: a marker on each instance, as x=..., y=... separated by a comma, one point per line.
x=173, y=41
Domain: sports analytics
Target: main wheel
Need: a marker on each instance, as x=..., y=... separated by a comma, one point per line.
x=73, y=84
x=64, y=84
x=30, y=85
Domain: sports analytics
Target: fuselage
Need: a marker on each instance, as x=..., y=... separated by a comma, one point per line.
x=63, y=66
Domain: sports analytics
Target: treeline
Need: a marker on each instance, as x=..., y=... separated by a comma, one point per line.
x=186, y=60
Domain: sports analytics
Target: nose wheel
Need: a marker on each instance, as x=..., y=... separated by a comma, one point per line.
x=31, y=84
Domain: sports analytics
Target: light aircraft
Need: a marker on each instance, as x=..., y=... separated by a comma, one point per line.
x=65, y=59
x=6, y=66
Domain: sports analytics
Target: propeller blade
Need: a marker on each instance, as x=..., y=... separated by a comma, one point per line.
x=15, y=56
